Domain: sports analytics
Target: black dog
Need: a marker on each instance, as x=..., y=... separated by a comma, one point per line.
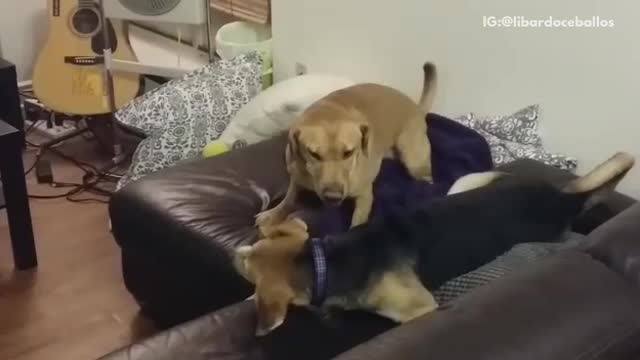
x=387, y=266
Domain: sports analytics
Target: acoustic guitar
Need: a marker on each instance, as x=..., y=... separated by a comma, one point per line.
x=68, y=76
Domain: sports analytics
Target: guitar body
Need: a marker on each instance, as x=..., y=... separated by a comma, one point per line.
x=68, y=76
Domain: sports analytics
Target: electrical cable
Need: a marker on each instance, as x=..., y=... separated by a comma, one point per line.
x=77, y=188
x=31, y=127
x=77, y=163
x=33, y=166
x=28, y=95
x=92, y=175
x=90, y=180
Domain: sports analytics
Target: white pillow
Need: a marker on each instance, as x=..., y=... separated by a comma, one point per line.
x=273, y=110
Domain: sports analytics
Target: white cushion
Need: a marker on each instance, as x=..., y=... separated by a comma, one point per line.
x=273, y=110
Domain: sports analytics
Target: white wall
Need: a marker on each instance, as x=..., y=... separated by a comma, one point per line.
x=191, y=33
x=586, y=80
x=22, y=32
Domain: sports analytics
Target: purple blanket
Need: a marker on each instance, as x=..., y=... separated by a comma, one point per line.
x=455, y=151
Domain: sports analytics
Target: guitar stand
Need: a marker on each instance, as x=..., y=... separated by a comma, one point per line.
x=107, y=56
x=116, y=161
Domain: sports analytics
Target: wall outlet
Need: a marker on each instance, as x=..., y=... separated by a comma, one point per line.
x=301, y=69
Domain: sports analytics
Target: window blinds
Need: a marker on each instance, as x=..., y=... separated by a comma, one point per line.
x=258, y=11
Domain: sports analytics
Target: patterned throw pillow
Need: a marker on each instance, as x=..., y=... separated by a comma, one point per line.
x=515, y=136
x=519, y=256
x=180, y=117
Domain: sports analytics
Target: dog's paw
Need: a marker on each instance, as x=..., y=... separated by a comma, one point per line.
x=428, y=178
x=421, y=173
x=268, y=218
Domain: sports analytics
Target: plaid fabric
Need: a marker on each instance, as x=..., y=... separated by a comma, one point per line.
x=320, y=270
x=519, y=256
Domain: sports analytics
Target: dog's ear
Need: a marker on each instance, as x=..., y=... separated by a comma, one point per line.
x=294, y=143
x=272, y=301
x=299, y=222
x=365, y=138
x=244, y=251
x=240, y=257
x=293, y=228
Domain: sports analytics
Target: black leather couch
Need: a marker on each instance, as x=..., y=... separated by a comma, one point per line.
x=177, y=228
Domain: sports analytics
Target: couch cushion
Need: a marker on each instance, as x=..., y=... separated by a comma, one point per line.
x=225, y=334
x=562, y=307
x=567, y=306
x=516, y=258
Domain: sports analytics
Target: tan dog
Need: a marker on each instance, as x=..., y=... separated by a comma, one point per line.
x=337, y=146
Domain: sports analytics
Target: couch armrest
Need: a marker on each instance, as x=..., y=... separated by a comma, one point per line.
x=224, y=334
x=617, y=244
x=210, y=201
x=566, y=307
x=178, y=227
x=590, y=220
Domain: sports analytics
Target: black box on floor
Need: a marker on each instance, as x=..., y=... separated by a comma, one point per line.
x=44, y=172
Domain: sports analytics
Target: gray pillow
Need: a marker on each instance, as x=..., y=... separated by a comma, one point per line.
x=519, y=256
x=180, y=117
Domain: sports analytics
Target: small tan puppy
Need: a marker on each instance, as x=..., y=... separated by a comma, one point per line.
x=336, y=148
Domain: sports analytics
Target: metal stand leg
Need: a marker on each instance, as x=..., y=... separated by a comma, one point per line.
x=209, y=27
x=107, y=55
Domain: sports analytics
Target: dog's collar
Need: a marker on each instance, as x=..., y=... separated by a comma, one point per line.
x=320, y=278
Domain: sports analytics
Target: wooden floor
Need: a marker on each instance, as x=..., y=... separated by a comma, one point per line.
x=74, y=306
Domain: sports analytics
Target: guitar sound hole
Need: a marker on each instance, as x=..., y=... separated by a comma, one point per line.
x=85, y=22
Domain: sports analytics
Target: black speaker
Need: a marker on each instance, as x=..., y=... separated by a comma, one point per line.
x=10, y=110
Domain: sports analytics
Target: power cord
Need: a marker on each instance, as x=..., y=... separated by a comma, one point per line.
x=33, y=166
x=38, y=155
x=31, y=127
x=90, y=180
x=89, y=186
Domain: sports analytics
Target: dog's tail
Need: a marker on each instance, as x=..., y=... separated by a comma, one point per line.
x=429, y=87
x=602, y=180
x=473, y=181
